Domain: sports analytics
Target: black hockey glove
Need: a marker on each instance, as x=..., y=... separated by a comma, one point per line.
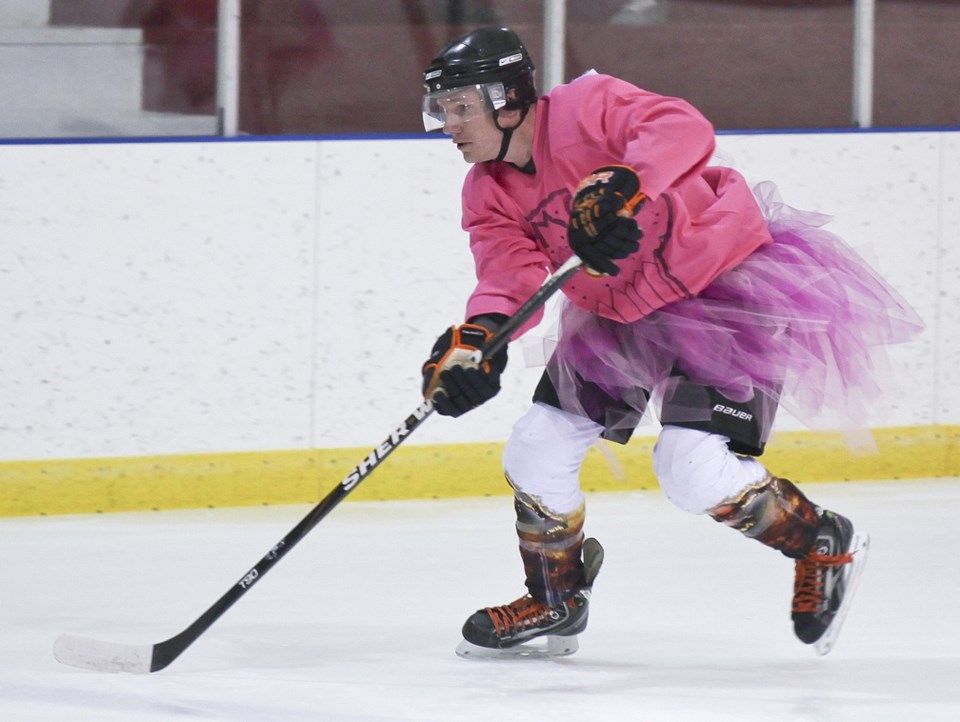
x=452, y=379
x=602, y=227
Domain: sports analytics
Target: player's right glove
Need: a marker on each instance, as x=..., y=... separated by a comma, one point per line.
x=602, y=227
x=452, y=379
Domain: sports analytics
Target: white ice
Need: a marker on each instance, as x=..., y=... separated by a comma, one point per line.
x=689, y=620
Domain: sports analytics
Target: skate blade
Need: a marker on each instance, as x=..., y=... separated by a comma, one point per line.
x=543, y=648
x=860, y=549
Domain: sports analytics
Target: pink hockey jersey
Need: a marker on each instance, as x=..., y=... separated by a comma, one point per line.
x=698, y=222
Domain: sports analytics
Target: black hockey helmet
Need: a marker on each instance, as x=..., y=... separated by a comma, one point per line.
x=492, y=59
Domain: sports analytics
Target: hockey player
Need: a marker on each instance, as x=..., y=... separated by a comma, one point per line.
x=712, y=302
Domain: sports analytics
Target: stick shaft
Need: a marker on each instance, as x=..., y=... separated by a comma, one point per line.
x=533, y=304
x=104, y=656
x=165, y=652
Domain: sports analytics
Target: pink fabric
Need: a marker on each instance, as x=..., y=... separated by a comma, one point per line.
x=710, y=295
x=698, y=223
x=804, y=319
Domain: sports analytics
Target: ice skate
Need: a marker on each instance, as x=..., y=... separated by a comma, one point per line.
x=529, y=628
x=826, y=580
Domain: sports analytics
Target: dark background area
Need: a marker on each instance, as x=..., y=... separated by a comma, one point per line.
x=327, y=66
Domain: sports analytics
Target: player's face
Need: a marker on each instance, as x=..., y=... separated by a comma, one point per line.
x=469, y=123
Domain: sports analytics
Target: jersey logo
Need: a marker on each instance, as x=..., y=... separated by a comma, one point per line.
x=550, y=218
x=650, y=286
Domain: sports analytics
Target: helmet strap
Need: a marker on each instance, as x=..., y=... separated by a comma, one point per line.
x=507, y=132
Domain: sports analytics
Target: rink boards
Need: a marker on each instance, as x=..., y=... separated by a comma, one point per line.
x=219, y=323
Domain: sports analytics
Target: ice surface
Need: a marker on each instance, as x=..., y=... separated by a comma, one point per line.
x=689, y=621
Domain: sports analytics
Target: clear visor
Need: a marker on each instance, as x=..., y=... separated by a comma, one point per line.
x=461, y=105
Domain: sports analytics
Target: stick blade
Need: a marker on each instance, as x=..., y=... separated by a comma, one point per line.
x=100, y=656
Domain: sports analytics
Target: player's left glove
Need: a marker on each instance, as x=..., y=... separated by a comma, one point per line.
x=451, y=378
x=602, y=227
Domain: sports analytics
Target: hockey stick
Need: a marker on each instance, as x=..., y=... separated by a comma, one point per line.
x=142, y=659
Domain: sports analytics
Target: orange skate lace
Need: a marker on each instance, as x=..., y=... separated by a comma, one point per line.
x=808, y=583
x=523, y=612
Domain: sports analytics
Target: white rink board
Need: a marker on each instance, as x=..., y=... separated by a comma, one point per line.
x=189, y=297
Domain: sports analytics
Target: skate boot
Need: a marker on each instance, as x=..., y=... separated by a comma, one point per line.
x=829, y=555
x=508, y=630
x=826, y=579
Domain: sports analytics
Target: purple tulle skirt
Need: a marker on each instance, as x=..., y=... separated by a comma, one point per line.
x=803, y=319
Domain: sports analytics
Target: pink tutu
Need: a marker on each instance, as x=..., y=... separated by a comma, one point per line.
x=803, y=319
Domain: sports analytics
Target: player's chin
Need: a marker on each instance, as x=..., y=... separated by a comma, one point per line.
x=471, y=156
x=471, y=153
